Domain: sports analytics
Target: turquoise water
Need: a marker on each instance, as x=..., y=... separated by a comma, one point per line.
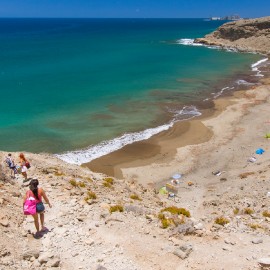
x=67, y=84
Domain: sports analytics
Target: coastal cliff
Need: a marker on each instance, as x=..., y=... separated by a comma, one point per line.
x=251, y=35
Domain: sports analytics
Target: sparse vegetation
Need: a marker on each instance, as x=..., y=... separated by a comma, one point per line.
x=221, y=221
x=116, y=208
x=108, y=182
x=73, y=182
x=236, y=210
x=266, y=213
x=255, y=226
x=81, y=184
x=246, y=174
x=176, y=211
x=135, y=197
x=90, y=196
x=59, y=173
x=88, y=179
x=248, y=211
x=165, y=222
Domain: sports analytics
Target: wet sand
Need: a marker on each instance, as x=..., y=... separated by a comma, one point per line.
x=159, y=148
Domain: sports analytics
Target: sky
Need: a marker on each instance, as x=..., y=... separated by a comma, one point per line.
x=133, y=8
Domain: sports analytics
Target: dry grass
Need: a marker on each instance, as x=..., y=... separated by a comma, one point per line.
x=116, y=208
x=236, y=210
x=266, y=213
x=73, y=182
x=135, y=197
x=221, y=221
x=90, y=196
x=108, y=182
x=176, y=211
x=245, y=175
x=248, y=211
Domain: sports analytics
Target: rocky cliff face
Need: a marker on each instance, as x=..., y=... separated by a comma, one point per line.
x=245, y=35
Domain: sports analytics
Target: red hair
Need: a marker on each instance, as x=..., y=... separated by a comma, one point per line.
x=22, y=156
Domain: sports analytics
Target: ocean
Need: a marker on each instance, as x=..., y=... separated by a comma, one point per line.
x=81, y=88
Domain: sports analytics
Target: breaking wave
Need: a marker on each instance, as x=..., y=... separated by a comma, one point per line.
x=93, y=152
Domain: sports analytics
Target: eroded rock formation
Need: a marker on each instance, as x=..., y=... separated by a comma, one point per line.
x=251, y=35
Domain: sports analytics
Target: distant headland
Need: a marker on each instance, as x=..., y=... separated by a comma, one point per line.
x=246, y=35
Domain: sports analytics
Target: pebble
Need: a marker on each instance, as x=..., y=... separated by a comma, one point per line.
x=257, y=241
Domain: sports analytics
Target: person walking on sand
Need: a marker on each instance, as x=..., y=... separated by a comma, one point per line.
x=37, y=193
x=23, y=163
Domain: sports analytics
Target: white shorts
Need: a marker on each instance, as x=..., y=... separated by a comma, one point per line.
x=24, y=169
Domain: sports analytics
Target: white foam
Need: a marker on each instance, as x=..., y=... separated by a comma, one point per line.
x=192, y=111
x=255, y=67
x=239, y=82
x=258, y=63
x=188, y=41
x=221, y=91
x=86, y=155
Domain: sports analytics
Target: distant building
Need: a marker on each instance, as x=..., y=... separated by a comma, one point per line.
x=232, y=18
x=215, y=18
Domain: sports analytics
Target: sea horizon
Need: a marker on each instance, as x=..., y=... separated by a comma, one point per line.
x=98, y=86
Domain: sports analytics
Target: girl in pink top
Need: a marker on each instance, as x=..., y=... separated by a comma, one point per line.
x=38, y=194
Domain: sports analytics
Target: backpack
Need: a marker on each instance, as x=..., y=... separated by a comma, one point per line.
x=27, y=165
x=30, y=205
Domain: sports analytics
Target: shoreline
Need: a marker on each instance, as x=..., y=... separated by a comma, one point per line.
x=163, y=148
x=238, y=82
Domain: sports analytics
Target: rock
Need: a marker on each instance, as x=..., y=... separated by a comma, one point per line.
x=186, y=228
x=179, y=253
x=264, y=262
x=243, y=35
x=16, y=194
x=45, y=257
x=257, y=241
x=99, y=267
x=89, y=241
x=198, y=226
x=4, y=222
x=30, y=253
x=183, y=251
x=55, y=262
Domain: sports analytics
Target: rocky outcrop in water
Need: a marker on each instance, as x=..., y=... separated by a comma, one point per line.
x=251, y=35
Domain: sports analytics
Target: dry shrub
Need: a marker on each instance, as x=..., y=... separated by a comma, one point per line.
x=266, y=213
x=248, y=211
x=135, y=197
x=221, y=221
x=73, y=182
x=116, y=208
x=176, y=211
x=245, y=175
x=255, y=226
x=90, y=196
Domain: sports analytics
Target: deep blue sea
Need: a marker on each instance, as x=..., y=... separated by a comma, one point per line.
x=98, y=84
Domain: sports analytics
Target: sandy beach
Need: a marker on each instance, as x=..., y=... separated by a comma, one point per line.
x=181, y=148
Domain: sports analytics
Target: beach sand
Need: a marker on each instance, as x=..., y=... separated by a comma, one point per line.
x=189, y=143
